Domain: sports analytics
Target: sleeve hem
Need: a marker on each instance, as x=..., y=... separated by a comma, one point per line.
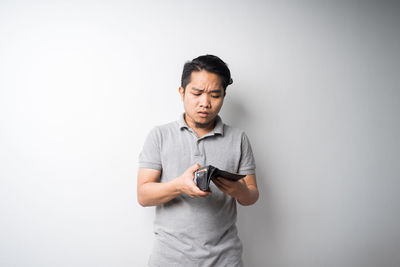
x=247, y=170
x=150, y=165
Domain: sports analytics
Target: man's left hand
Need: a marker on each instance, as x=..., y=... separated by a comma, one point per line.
x=232, y=188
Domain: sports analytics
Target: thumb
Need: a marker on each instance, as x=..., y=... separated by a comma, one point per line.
x=195, y=167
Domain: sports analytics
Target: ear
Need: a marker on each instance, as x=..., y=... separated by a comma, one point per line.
x=181, y=92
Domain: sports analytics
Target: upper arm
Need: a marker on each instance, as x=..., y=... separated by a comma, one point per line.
x=150, y=156
x=247, y=164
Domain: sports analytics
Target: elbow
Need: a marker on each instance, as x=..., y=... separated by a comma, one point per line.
x=142, y=201
x=256, y=197
x=249, y=201
x=141, y=197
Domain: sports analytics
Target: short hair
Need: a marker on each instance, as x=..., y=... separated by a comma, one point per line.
x=209, y=63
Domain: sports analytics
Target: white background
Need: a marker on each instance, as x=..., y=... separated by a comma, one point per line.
x=316, y=88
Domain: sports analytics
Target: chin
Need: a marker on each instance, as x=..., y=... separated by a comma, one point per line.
x=204, y=122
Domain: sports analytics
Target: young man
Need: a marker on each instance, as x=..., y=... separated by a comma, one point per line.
x=192, y=227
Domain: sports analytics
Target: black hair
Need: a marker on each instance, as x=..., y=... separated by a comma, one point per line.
x=209, y=63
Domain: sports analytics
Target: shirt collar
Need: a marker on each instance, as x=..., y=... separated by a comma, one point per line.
x=218, y=129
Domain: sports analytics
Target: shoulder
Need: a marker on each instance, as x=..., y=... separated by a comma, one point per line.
x=162, y=131
x=167, y=128
x=234, y=131
x=236, y=136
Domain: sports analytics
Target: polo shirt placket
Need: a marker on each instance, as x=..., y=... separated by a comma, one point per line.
x=197, y=146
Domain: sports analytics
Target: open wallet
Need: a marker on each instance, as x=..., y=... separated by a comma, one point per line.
x=203, y=176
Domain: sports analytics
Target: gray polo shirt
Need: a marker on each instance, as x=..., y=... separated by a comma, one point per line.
x=196, y=231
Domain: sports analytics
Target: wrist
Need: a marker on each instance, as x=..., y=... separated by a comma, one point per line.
x=177, y=185
x=243, y=190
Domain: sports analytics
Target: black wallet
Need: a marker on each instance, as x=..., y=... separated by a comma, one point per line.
x=203, y=175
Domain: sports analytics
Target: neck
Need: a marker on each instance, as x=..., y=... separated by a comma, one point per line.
x=201, y=129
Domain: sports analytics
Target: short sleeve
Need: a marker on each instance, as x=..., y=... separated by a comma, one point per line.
x=150, y=156
x=247, y=163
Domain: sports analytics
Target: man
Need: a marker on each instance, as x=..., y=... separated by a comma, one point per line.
x=192, y=227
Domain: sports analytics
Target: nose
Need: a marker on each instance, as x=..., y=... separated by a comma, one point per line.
x=205, y=101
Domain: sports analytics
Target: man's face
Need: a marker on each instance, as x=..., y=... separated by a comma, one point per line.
x=202, y=99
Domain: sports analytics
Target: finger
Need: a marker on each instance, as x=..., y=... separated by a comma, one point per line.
x=223, y=189
x=219, y=181
x=216, y=181
x=225, y=182
x=201, y=194
x=204, y=194
x=195, y=166
x=221, y=186
x=196, y=190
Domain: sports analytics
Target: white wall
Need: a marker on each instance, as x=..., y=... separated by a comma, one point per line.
x=316, y=87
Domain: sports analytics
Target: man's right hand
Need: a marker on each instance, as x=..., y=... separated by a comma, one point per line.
x=151, y=192
x=186, y=184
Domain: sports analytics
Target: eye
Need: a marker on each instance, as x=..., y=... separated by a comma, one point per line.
x=196, y=94
x=216, y=96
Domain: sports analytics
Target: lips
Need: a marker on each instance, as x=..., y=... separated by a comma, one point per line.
x=203, y=114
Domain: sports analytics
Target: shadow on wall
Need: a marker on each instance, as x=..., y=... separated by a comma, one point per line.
x=257, y=224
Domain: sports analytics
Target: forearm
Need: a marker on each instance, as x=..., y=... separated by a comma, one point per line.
x=155, y=193
x=248, y=196
x=152, y=192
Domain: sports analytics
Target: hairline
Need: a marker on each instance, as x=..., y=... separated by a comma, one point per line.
x=198, y=69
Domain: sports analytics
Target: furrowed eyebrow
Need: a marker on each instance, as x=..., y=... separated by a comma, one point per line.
x=213, y=91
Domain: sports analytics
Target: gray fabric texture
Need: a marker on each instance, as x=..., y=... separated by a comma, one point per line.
x=196, y=231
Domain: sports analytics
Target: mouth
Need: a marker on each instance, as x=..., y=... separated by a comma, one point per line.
x=203, y=114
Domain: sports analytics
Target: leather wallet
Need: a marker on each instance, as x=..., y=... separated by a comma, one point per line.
x=203, y=175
